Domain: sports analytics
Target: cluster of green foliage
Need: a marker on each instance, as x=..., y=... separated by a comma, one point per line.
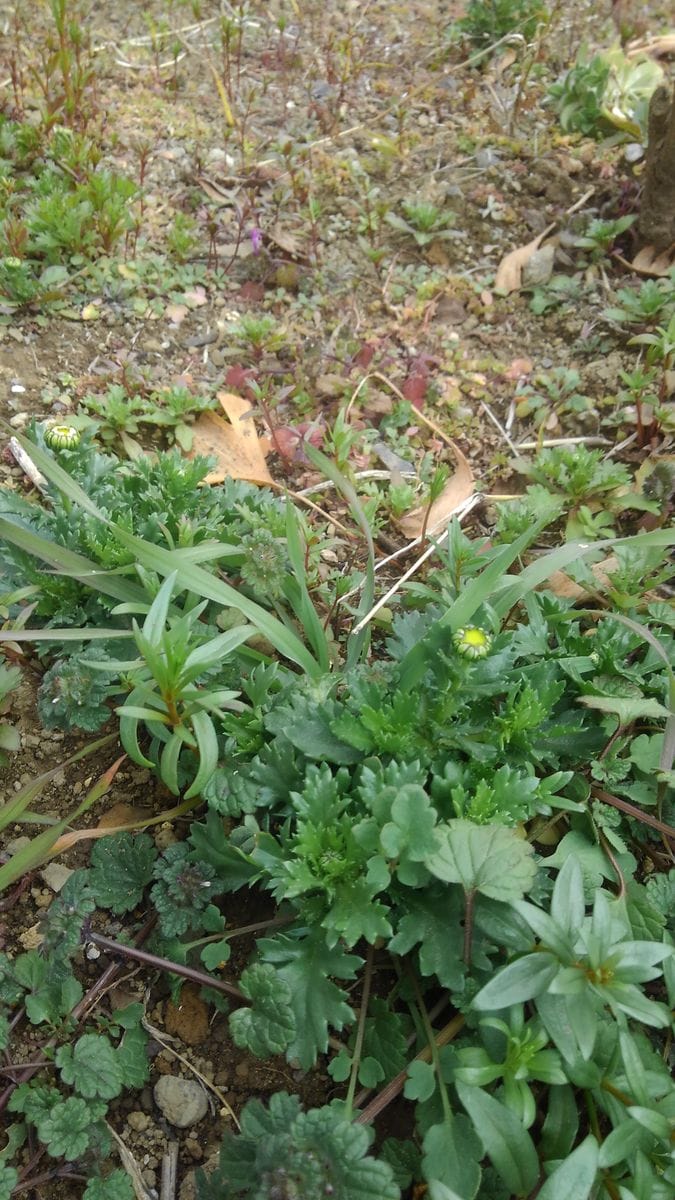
x=394, y=811
x=487, y=23
x=606, y=93
x=58, y=209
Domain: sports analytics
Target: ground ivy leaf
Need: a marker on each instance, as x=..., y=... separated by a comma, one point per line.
x=65, y=1129
x=116, y=1186
x=121, y=869
x=268, y=1026
x=91, y=1067
x=306, y=965
x=491, y=859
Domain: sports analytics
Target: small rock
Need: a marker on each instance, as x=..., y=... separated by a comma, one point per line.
x=182, y=1101
x=56, y=875
x=138, y=1121
x=539, y=267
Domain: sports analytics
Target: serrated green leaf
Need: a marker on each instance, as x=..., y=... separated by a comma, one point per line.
x=91, y=1067
x=384, y=1038
x=116, y=1186
x=575, y=1176
x=490, y=859
x=9, y=1177
x=121, y=869
x=66, y=1129
x=434, y=921
x=268, y=1026
x=306, y=964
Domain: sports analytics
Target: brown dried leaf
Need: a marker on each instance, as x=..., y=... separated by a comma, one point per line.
x=656, y=46
x=286, y=241
x=650, y=261
x=458, y=488
x=562, y=585
x=234, y=443
x=509, y=275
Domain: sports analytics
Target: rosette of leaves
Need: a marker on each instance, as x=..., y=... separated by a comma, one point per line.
x=74, y=693
x=283, y=1153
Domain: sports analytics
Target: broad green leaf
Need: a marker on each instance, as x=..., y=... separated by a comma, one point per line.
x=521, y=980
x=621, y=1143
x=505, y=1141
x=411, y=829
x=490, y=859
x=452, y=1154
x=268, y=1026
x=575, y=1176
x=567, y=902
x=421, y=1082
x=91, y=1067
x=216, y=954
x=438, y=1191
x=627, y=709
x=560, y=1123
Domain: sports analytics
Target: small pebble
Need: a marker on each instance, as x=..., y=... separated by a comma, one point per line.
x=138, y=1121
x=182, y=1101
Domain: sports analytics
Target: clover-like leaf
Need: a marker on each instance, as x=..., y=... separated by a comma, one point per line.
x=491, y=859
x=268, y=1026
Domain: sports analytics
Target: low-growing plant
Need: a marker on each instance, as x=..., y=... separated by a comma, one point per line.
x=581, y=476
x=609, y=92
x=600, y=235
x=487, y=23
x=423, y=221
x=552, y=393
x=641, y=307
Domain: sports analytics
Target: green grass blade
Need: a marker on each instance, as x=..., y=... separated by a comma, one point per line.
x=189, y=576
x=13, y=809
x=357, y=644
x=298, y=592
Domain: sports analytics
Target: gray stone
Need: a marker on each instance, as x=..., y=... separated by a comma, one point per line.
x=182, y=1101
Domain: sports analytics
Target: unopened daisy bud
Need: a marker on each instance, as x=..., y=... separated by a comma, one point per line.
x=472, y=642
x=61, y=437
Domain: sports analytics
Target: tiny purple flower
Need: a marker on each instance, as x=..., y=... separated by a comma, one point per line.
x=256, y=237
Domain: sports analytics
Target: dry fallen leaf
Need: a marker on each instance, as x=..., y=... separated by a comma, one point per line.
x=510, y=270
x=650, y=261
x=562, y=585
x=655, y=46
x=458, y=488
x=235, y=445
